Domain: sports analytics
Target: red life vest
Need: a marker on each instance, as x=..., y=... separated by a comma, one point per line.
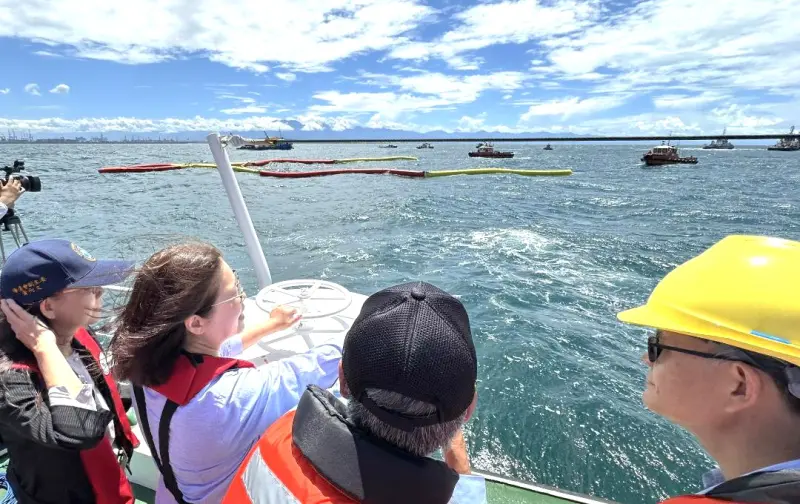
x=275, y=460
x=103, y=469
x=190, y=375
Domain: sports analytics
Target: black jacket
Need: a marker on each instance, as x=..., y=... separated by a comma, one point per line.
x=44, y=441
x=779, y=487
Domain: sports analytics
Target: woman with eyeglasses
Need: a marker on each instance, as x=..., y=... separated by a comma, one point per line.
x=61, y=415
x=724, y=364
x=200, y=409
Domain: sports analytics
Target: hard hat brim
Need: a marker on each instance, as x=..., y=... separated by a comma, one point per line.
x=666, y=320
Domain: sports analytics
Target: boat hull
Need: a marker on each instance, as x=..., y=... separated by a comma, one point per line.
x=784, y=148
x=708, y=147
x=503, y=155
x=660, y=162
x=256, y=147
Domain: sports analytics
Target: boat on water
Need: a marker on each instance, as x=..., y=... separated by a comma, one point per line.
x=268, y=143
x=387, y=146
x=329, y=310
x=486, y=150
x=720, y=143
x=425, y=145
x=547, y=147
x=665, y=154
x=787, y=143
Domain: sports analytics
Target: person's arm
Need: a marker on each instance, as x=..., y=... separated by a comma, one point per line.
x=265, y=393
x=41, y=341
x=280, y=318
x=27, y=411
x=65, y=414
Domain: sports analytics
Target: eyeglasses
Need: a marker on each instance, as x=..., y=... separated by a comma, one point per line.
x=94, y=290
x=654, y=349
x=240, y=294
x=774, y=368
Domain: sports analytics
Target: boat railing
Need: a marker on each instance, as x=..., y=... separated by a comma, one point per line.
x=240, y=212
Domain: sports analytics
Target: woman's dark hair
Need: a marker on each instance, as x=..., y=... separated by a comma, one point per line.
x=174, y=284
x=12, y=351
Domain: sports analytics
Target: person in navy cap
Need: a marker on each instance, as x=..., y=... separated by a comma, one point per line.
x=61, y=415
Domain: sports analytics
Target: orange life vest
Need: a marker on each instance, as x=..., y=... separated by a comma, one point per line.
x=275, y=462
x=314, y=455
x=698, y=499
x=103, y=468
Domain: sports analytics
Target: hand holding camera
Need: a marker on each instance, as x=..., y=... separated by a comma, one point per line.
x=10, y=192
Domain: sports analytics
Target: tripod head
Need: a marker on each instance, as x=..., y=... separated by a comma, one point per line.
x=11, y=223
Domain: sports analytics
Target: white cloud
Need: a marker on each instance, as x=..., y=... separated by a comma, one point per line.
x=32, y=89
x=133, y=124
x=4, y=91
x=308, y=35
x=478, y=123
x=287, y=76
x=567, y=107
x=47, y=54
x=224, y=95
x=60, y=89
x=249, y=109
x=312, y=122
x=677, y=101
x=716, y=45
x=740, y=117
x=415, y=93
x=504, y=22
x=389, y=104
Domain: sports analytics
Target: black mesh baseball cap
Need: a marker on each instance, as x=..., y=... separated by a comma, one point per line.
x=413, y=339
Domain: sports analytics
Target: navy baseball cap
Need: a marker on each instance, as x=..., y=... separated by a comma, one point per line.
x=42, y=268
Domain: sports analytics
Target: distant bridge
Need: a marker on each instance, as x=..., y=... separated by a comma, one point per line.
x=558, y=139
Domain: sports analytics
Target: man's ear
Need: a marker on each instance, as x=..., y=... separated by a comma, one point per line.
x=343, y=383
x=472, y=406
x=746, y=386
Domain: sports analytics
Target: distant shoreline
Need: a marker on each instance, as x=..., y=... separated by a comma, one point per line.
x=55, y=141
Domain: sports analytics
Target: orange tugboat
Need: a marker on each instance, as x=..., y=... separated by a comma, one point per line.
x=666, y=154
x=486, y=150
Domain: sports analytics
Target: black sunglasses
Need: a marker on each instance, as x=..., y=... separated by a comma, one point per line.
x=654, y=349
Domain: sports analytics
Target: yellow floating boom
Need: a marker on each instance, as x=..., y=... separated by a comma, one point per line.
x=492, y=171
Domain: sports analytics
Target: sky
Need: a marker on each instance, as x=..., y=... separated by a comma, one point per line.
x=612, y=67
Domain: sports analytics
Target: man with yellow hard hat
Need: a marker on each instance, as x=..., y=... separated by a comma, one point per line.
x=723, y=364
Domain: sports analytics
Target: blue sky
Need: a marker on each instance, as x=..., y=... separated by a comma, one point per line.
x=582, y=66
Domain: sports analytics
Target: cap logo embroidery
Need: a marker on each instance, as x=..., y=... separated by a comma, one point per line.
x=29, y=288
x=85, y=255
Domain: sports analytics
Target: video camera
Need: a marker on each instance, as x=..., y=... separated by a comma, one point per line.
x=30, y=183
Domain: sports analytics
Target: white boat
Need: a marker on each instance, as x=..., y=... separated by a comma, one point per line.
x=720, y=143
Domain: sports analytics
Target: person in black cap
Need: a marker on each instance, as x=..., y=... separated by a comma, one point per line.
x=409, y=370
x=61, y=414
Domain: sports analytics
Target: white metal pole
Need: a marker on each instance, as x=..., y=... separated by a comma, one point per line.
x=225, y=169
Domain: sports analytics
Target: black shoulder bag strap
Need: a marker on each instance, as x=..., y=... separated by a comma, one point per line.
x=162, y=462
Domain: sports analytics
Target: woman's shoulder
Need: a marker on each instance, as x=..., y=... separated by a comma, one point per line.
x=235, y=385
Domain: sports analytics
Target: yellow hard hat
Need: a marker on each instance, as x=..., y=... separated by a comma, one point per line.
x=744, y=291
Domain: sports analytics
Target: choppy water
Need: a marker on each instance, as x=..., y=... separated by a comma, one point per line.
x=542, y=264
